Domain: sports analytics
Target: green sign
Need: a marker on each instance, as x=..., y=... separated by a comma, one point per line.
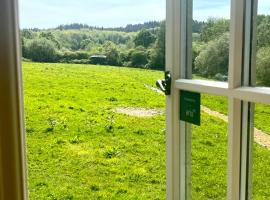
x=190, y=110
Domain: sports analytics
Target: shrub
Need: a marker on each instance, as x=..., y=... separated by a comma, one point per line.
x=69, y=56
x=41, y=50
x=157, y=59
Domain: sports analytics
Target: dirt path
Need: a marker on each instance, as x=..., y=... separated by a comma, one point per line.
x=260, y=137
x=138, y=112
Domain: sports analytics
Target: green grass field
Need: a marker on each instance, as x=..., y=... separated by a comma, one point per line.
x=78, y=148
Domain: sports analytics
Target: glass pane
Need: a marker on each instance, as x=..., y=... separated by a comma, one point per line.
x=94, y=131
x=209, y=150
x=261, y=153
x=210, y=39
x=263, y=44
x=86, y=140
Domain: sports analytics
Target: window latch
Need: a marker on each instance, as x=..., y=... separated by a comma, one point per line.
x=165, y=85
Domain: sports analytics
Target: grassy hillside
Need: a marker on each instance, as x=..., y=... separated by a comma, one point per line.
x=78, y=148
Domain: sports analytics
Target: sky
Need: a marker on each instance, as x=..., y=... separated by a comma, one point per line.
x=113, y=13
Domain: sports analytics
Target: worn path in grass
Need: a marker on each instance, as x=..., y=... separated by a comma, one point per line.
x=260, y=137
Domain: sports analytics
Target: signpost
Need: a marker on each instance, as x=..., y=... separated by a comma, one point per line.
x=190, y=107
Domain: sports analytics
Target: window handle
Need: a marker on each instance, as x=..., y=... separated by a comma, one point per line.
x=165, y=85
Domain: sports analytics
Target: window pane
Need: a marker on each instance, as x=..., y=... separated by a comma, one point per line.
x=263, y=44
x=261, y=153
x=210, y=39
x=209, y=150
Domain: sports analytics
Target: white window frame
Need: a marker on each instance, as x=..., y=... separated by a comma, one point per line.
x=239, y=90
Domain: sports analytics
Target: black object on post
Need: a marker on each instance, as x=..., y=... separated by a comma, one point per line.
x=165, y=85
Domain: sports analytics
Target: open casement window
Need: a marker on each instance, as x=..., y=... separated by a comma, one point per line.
x=240, y=90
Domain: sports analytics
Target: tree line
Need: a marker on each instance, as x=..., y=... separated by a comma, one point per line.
x=79, y=44
x=139, y=45
x=127, y=28
x=145, y=48
x=211, y=49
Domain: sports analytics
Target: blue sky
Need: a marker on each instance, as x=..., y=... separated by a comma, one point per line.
x=113, y=13
x=107, y=13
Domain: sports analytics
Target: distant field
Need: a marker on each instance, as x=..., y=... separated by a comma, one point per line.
x=78, y=148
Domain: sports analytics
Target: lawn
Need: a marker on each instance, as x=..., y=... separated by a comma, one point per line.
x=78, y=148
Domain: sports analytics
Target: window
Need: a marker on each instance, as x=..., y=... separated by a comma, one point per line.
x=239, y=91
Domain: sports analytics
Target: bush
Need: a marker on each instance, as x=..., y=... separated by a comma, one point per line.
x=214, y=58
x=138, y=57
x=157, y=59
x=75, y=55
x=41, y=50
x=263, y=66
x=69, y=56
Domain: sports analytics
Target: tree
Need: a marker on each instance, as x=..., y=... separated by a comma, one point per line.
x=51, y=37
x=263, y=31
x=144, y=38
x=214, y=28
x=27, y=34
x=197, y=47
x=197, y=26
x=138, y=57
x=157, y=55
x=41, y=50
x=214, y=58
x=23, y=47
x=263, y=66
x=112, y=53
